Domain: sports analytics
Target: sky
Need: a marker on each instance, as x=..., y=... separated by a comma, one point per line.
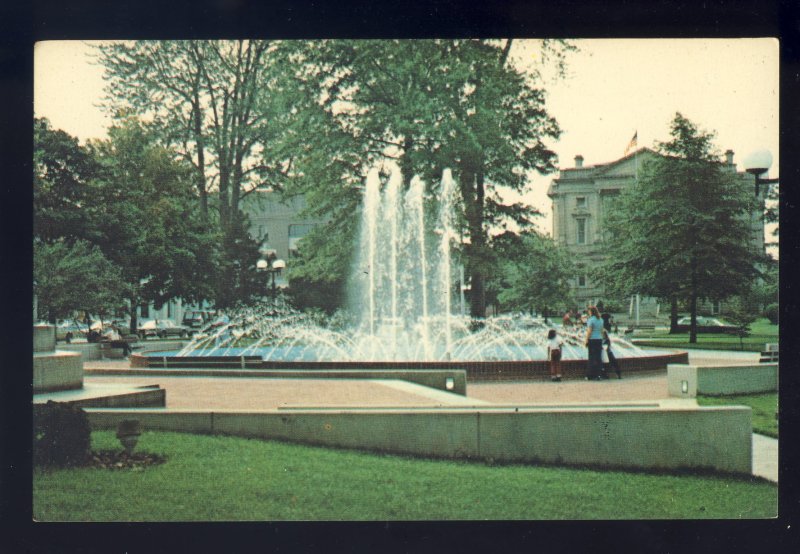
x=613, y=89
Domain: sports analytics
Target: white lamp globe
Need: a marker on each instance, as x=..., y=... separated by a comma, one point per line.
x=758, y=162
x=261, y=265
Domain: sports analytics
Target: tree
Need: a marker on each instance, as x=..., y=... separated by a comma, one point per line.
x=431, y=104
x=682, y=230
x=217, y=103
x=69, y=277
x=61, y=170
x=144, y=217
x=534, y=273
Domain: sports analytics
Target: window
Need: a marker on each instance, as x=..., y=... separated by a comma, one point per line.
x=716, y=307
x=145, y=310
x=581, y=231
x=580, y=202
x=581, y=280
x=299, y=230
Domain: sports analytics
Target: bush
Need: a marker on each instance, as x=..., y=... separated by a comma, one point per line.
x=61, y=435
x=771, y=313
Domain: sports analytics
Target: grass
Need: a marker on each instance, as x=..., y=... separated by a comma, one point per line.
x=763, y=406
x=227, y=478
x=761, y=332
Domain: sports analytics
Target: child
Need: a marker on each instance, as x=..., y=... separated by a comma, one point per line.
x=554, y=343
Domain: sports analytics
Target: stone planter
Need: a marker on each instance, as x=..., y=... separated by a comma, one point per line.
x=128, y=433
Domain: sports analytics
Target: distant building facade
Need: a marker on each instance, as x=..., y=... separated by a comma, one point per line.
x=276, y=223
x=583, y=195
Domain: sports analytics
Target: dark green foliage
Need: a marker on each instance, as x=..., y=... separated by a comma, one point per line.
x=682, y=231
x=61, y=171
x=61, y=435
x=69, y=277
x=426, y=105
x=772, y=312
x=533, y=273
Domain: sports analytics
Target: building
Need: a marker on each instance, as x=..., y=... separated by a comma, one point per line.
x=582, y=196
x=275, y=222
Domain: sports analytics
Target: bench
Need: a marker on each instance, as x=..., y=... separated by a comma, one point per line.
x=632, y=328
x=768, y=356
x=115, y=352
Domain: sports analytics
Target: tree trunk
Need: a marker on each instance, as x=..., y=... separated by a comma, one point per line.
x=693, y=304
x=477, y=247
x=406, y=166
x=673, y=315
x=201, y=157
x=134, y=320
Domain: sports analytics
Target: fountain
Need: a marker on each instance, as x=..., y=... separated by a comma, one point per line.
x=402, y=291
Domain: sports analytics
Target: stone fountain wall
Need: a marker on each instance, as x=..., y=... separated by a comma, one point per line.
x=54, y=370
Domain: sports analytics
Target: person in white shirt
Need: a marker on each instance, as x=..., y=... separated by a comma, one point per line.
x=114, y=339
x=554, y=342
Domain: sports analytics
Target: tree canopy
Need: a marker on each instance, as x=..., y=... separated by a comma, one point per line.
x=683, y=230
x=428, y=105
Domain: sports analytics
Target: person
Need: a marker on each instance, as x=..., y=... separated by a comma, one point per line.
x=606, y=322
x=612, y=360
x=554, y=342
x=115, y=339
x=594, y=343
x=93, y=336
x=566, y=321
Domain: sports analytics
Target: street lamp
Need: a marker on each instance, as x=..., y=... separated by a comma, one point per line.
x=758, y=163
x=272, y=265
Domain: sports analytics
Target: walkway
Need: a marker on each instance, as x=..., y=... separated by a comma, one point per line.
x=225, y=393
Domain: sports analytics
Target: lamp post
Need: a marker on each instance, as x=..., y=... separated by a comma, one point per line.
x=758, y=163
x=271, y=265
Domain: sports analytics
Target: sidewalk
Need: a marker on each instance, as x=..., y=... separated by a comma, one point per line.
x=227, y=393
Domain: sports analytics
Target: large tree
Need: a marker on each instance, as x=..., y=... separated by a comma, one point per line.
x=682, y=230
x=219, y=104
x=428, y=105
x=61, y=170
x=145, y=218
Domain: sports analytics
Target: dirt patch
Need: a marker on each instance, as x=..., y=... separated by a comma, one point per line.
x=119, y=459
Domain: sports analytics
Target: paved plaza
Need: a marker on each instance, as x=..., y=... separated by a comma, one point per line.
x=241, y=393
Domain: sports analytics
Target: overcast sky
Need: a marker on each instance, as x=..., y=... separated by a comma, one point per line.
x=613, y=89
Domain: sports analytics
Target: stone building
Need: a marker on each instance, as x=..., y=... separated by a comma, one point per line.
x=582, y=196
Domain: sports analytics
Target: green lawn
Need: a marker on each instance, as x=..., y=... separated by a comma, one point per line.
x=763, y=405
x=228, y=478
x=761, y=332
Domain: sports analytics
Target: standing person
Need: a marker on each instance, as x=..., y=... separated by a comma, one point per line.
x=612, y=360
x=594, y=342
x=566, y=321
x=554, y=343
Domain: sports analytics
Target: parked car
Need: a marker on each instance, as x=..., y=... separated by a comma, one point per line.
x=123, y=325
x=706, y=325
x=195, y=319
x=162, y=328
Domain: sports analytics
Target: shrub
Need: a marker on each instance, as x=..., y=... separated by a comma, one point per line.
x=771, y=313
x=61, y=435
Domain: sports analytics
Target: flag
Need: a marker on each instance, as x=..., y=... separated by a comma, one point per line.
x=632, y=144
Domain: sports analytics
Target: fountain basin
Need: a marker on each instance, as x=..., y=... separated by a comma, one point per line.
x=494, y=370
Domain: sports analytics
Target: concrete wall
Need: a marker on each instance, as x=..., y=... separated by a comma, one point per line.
x=649, y=436
x=89, y=350
x=44, y=338
x=57, y=371
x=436, y=379
x=687, y=381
